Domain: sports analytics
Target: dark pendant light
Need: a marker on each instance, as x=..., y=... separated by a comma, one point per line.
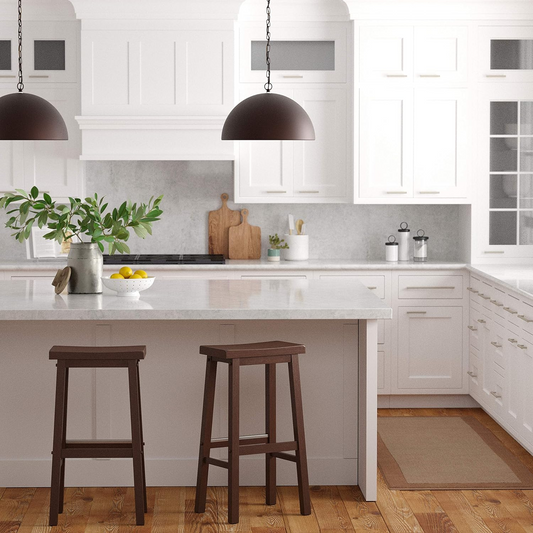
x=27, y=117
x=268, y=116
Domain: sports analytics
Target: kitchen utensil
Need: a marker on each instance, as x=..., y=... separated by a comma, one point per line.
x=219, y=223
x=291, y=224
x=128, y=287
x=391, y=249
x=421, y=246
x=245, y=240
x=299, y=224
x=303, y=229
x=403, y=242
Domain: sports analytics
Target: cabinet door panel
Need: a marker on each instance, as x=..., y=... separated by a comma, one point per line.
x=440, y=143
x=430, y=348
x=440, y=55
x=513, y=406
x=321, y=166
x=386, y=53
x=386, y=143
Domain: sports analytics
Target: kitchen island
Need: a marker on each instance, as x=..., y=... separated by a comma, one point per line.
x=336, y=320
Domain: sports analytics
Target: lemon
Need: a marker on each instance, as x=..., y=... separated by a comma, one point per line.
x=117, y=276
x=135, y=276
x=126, y=272
x=141, y=273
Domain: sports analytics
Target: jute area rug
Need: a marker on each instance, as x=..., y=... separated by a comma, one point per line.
x=442, y=453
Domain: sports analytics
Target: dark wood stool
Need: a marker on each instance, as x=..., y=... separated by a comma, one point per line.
x=97, y=357
x=237, y=355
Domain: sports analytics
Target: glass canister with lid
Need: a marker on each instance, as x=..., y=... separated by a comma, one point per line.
x=421, y=246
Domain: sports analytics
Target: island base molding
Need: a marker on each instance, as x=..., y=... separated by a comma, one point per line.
x=172, y=388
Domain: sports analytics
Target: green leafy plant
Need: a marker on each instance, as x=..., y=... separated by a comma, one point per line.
x=276, y=243
x=90, y=218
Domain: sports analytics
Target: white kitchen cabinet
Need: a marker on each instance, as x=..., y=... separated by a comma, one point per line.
x=505, y=53
x=134, y=72
x=413, y=143
x=52, y=166
x=425, y=55
x=526, y=391
x=303, y=53
x=300, y=171
x=430, y=349
x=50, y=52
x=386, y=135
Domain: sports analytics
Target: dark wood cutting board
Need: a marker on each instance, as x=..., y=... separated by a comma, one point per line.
x=245, y=240
x=218, y=227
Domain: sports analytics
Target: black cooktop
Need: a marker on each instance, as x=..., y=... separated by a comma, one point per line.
x=171, y=259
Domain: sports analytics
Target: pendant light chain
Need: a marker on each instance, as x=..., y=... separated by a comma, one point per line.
x=20, y=84
x=268, y=85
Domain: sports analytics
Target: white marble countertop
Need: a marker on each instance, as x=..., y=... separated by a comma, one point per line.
x=312, y=264
x=199, y=300
x=516, y=277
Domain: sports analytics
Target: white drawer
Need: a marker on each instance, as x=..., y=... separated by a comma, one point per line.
x=374, y=283
x=512, y=309
x=426, y=287
x=475, y=329
x=525, y=316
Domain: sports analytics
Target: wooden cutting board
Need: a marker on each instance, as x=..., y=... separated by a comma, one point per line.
x=218, y=227
x=245, y=240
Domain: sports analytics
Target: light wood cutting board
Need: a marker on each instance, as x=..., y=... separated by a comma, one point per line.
x=245, y=240
x=218, y=227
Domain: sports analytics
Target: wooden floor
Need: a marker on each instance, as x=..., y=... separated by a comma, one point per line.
x=171, y=509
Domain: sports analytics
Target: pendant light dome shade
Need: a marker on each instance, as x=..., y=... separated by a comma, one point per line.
x=268, y=117
x=27, y=117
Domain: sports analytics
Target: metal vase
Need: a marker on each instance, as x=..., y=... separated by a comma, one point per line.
x=87, y=264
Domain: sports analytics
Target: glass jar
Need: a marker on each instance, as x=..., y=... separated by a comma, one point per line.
x=421, y=246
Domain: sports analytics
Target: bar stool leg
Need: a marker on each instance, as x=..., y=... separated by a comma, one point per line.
x=63, y=445
x=142, y=439
x=59, y=432
x=299, y=435
x=233, y=443
x=270, y=430
x=205, y=436
x=136, y=440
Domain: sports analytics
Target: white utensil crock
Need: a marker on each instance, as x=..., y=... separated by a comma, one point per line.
x=298, y=248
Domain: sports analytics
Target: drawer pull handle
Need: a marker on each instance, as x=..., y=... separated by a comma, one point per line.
x=496, y=75
x=525, y=319
x=432, y=288
x=472, y=328
x=496, y=303
x=429, y=192
x=292, y=76
x=395, y=192
x=396, y=75
x=372, y=288
x=8, y=76
x=416, y=312
x=429, y=75
x=481, y=321
x=309, y=192
x=485, y=297
x=276, y=192
x=471, y=374
x=472, y=290
x=509, y=310
x=497, y=345
x=522, y=347
x=512, y=341
x=38, y=76
x=495, y=394
x=493, y=252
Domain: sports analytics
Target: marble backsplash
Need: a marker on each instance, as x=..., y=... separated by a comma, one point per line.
x=192, y=188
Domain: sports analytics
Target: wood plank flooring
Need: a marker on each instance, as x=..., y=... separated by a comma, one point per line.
x=334, y=509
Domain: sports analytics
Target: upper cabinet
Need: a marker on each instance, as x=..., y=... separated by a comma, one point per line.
x=506, y=54
x=424, y=55
x=309, y=65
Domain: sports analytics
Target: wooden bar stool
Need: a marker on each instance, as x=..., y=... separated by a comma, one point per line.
x=97, y=357
x=237, y=355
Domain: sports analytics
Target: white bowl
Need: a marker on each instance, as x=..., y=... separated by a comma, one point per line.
x=128, y=287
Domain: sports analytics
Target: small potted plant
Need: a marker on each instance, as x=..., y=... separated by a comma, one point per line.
x=276, y=245
x=87, y=224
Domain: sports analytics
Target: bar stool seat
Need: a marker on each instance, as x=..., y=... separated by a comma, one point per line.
x=236, y=355
x=97, y=357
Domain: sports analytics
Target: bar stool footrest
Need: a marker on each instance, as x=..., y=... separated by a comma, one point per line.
x=97, y=449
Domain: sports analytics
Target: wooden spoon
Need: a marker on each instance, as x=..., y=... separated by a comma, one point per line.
x=299, y=224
